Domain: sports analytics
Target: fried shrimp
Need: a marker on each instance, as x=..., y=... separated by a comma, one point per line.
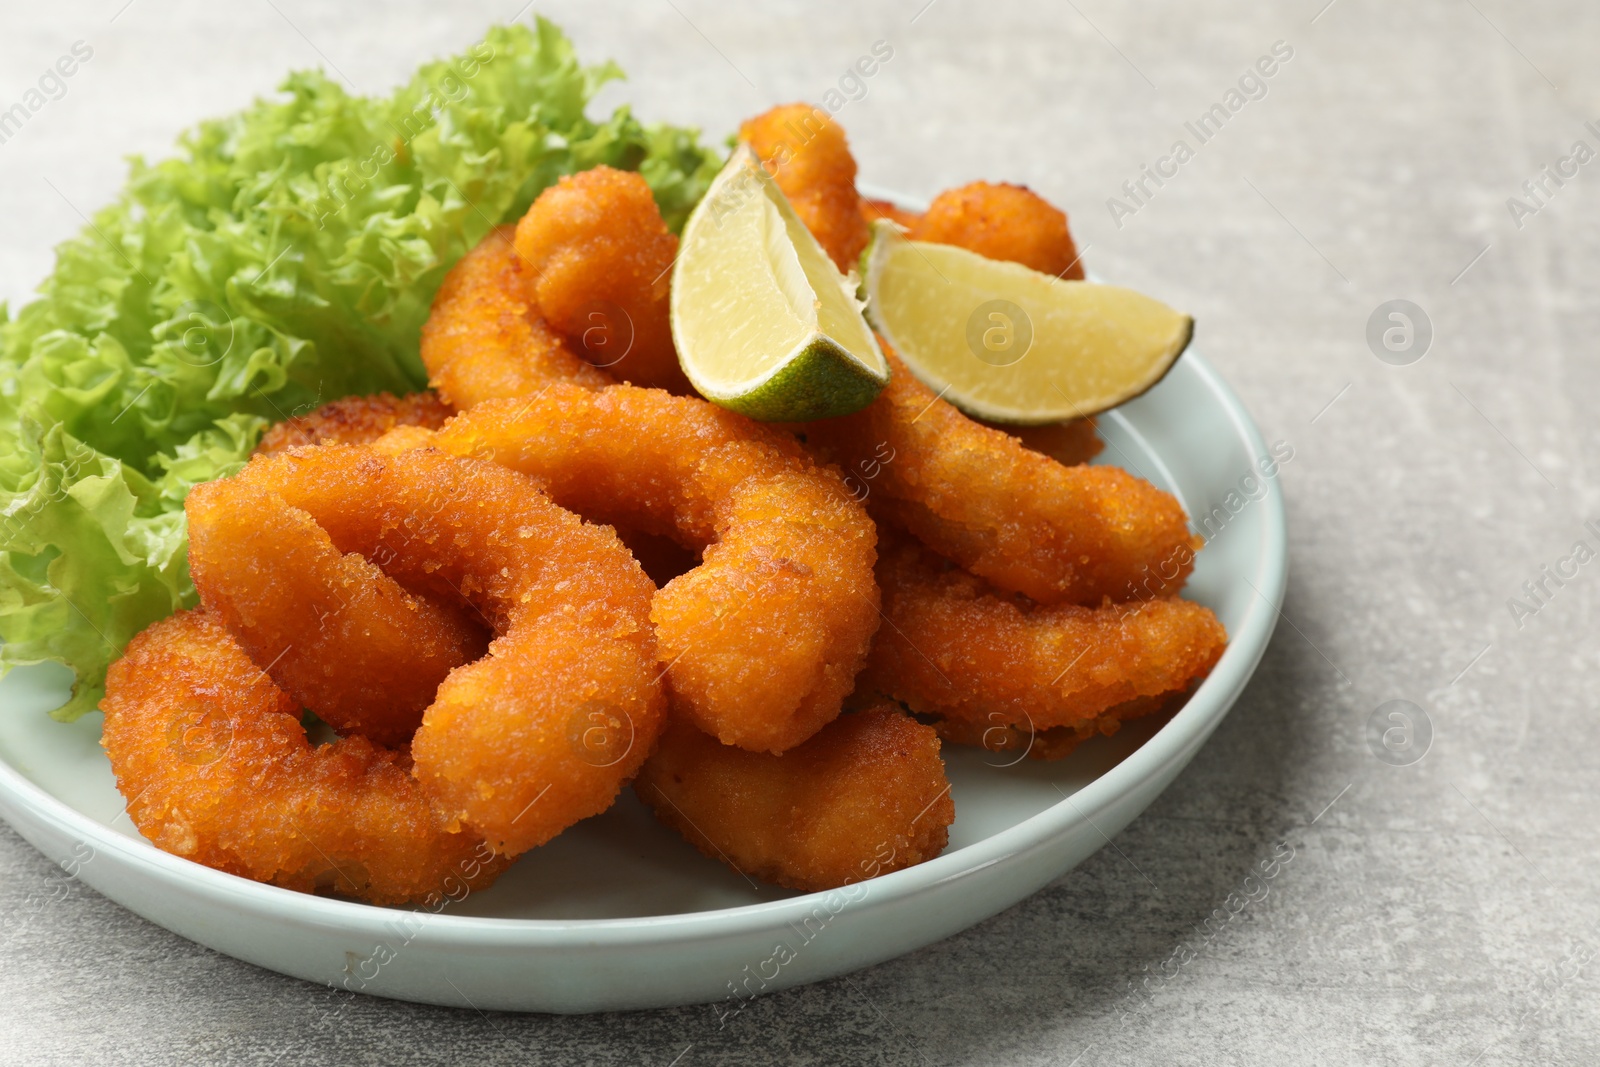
x=1008, y=222
x=865, y=796
x=956, y=648
x=806, y=153
x=218, y=770
x=1018, y=518
x=980, y=496
x=599, y=258
x=1056, y=742
x=332, y=630
x=544, y=729
x=1068, y=443
x=762, y=640
x=485, y=337
x=355, y=420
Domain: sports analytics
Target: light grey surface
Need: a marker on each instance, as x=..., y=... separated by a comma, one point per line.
x=1432, y=913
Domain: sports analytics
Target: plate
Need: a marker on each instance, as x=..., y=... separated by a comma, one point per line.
x=619, y=912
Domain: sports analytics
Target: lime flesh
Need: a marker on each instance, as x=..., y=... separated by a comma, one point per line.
x=763, y=321
x=1009, y=344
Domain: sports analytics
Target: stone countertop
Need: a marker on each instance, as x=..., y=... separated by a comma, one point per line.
x=1432, y=913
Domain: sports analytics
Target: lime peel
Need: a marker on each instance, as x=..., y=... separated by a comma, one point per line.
x=763, y=321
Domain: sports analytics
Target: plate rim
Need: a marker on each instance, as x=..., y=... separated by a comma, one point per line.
x=1173, y=742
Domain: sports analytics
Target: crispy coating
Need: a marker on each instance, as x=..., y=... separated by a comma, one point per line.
x=599, y=259
x=865, y=796
x=954, y=647
x=403, y=439
x=217, y=769
x=545, y=729
x=806, y=153
x=332, y=630
x=986, y=496
x=485, y=337
x=1009, y=222
x=355, y=420
x=873, y=210
x=1018, y=518
x=762, y=640
x=1053, y=743
x=1068, y=443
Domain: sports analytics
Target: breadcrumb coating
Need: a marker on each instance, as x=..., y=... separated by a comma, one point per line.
x=865, y=796
x=599, y=261
x=1006, y=222
x=355, y=420
x=955, y=647
x=1028, y=524
x=217, y=769
x=1052, y=743
x=485, y=337
x=332, y=630
x=544, y=729
x=762, y=640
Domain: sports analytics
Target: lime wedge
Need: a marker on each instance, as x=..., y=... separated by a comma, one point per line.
x=1009, y=344
x=763, y=321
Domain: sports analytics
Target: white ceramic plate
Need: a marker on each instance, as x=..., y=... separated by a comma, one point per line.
x=619, y=912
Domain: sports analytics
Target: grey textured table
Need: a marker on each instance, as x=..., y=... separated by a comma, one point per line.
x=1439, y=912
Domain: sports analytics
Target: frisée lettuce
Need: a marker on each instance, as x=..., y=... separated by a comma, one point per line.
x=285, y=257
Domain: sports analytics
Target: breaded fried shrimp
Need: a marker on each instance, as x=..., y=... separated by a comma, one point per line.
x=806, y=153
x=1068, y=443
x=335, y=632
x=978, y=495
x=217, y=769
x=599, y=261
x=955, y=647
x=355, y=420
x=1058, y=534
x=1007, y=222
x=865, y=796
x=485, y=337
x=762, y=640
x=501, y=747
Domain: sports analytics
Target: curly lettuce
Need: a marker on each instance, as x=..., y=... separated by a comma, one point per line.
x=285, y=257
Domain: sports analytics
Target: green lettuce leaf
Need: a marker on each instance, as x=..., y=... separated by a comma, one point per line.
x=285, y=257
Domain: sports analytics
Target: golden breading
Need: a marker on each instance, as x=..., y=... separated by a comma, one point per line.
x=1051, y=743
x=217, y=769
x=806, y=153
x=545, y=729
x=1068, y=443
x=761, y=640
x=599, y=261
x=953, y=646
x=485, y=337
x=355, y=420
x=1008, y=222
x=1018, y=518
x=332, y=630
x=865, y=796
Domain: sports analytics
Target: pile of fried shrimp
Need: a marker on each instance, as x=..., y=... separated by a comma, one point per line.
x=560, y=573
